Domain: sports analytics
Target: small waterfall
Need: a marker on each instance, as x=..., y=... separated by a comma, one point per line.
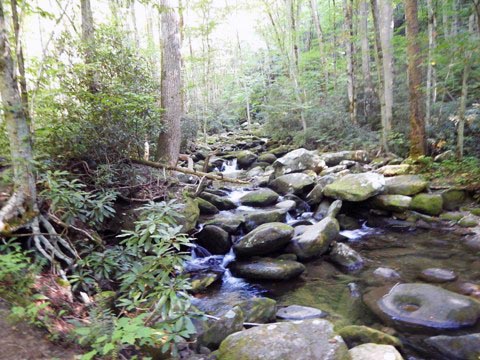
x=199, y=252
x=358, y=234
x=229, y=166
x=228, y=258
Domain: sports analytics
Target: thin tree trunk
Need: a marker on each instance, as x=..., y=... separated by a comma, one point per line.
x=367, y=77
x=380, y=76
x=386, y=37
x=88, y=41
x=171, y=87
x=431, y=76
x=416, y=113
x=351, y=91
x=23, y=202
x=133, y=16
x=321, y=42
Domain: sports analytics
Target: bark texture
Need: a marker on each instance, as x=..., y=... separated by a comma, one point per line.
x=171, y=87
x=365, y=50
x=349, y=49
x=416, y=112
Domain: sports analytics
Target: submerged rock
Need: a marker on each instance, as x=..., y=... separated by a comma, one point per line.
x=435, y=275
x=298, y=160
x=297, y=184
x=261, y=197
x=297, y=312
x=405, y=185
x=258, y=310
x=465, y=347
x=386, y=273
x=265, y=239
x=431, y=204
x=267, y=269
x=297, y=340
x=428, y=306
x=468, y=221
x=374, y=352
x=343, y=255
x=355, y=335
x=356, y=187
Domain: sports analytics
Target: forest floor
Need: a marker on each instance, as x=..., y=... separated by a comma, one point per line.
x=21, y=341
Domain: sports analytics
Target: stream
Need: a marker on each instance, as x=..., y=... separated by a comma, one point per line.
x=391, y=254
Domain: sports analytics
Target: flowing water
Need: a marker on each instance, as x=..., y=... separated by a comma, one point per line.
x=339, y=292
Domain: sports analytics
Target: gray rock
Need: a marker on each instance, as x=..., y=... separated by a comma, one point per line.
x=332, y=159
x=298, y=160
x=222, y=203
x=260, y=197
x=297, y=312
x=255, y=219
x=453, y=199
x=428, y=306
x=230, y=224
x=348, y=222
x=405, y=185
x=189, y=215
x=255, y=172
x=267, y=269
x=315, y=196
x=214, y=239
x=296, y=340
x=265, y=239
x=446, y=155
x=258, y=310
x=397, y=203
x=374, y=352
x=343, y=255
x=356, y=187
x=206, y=208
x=435, y=275
x=395, y=170
x=231, y=322
x=287, y=205
x=431, y=204
x=245, y=159
x=297, y=184
x=465, y=347
x=386, y=273
x=268, y=158
x=333, y=170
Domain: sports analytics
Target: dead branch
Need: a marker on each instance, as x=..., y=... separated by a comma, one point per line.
x=189, y=172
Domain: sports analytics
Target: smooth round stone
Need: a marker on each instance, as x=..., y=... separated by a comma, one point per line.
x=297, y=312
x=267, y=269
x=436, y=275
x=424, y=305
x=286, y=204
x=386, y=273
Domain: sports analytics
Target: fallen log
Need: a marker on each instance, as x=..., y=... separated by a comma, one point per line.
x=189, y=172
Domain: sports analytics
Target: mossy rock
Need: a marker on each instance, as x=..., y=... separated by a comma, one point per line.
x=451, y=216
x=231, y=322
x=206, y=208
x=268, y=158
x=189, y=215
x=260, y=197
x=431, y=204
x=259, y=310
x=355, y=335
x=396, y=203
x=468, y=221
x=453, y=198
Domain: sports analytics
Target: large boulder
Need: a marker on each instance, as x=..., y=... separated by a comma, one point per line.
x=315, y=196
x=255, y=219
x=395, y=170
x=267, y=269
x=206, y=208
x=265, y=239
x=356, y=187
x=431, y=204
x=374, y=352
x=230, y=224
x=245, y=159
x=190, y=213
x=464, y=347
x=214, y=239
x=298, y=160
x=405, y=185
x=427, y=306
x=221, y=202
x=453, y=198
x=260, y=197
x=297, y=340
x=315, y=239
x=397, y=203
x=343, y=255
x=335, y=158
x=297, y=184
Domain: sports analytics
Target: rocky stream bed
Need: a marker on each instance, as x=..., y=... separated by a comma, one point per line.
x=331, y=256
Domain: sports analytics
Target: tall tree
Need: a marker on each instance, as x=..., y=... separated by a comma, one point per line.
x=169, y=139
x=88, y=41
x=431, y=89
x=321, y=42
x=350, y=52
x=365, y=50
x=416, y=112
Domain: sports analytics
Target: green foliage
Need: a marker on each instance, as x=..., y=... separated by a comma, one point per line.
x=152, y=292
x=465, y=172
x=70, y=200
x=108, y=124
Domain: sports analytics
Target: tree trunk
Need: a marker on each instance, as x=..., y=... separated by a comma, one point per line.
x=133, y=16
x=321, y=42
x=431, y=91
x=22, y=204
x=416, y=113
x=385, y=21
x=367, y=77
x=351, y=91
x=171, y=87
x=88, y=41
x=380, y=75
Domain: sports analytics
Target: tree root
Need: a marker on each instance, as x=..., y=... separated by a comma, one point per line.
x=12, y=212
